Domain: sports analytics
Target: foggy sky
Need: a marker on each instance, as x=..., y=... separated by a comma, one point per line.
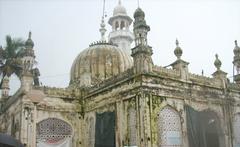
x=61, y=29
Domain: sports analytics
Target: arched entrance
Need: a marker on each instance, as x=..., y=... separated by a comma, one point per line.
x=53, y=132
x=211, y=130
x=204, y=129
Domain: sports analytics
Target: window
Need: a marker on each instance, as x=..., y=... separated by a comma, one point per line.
x=169, y=128
x=53, y=131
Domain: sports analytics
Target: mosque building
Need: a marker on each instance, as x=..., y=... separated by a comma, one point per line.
x=118, y=97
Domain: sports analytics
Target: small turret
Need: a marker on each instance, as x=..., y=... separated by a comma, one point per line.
x=219, y=73
x=180, y=64
x=28, y=61
x=141, y=53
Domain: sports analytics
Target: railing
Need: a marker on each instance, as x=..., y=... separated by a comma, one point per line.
x=166, y=72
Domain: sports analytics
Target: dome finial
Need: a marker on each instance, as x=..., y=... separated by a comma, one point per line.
x=178, y=51
x=217, y=63
x=29, y=43
x=29, y=35
x=177, y=43
x=119, y=2
x=102, y=25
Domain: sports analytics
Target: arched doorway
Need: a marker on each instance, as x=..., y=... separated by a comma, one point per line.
x=204, y=129
x=53, y=132
x=211, y=130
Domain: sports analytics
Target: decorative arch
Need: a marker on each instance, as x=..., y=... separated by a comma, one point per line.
x=169, y=128
x=236, y=129
x=53, y=131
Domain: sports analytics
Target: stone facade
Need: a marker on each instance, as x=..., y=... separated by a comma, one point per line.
x=144, y=105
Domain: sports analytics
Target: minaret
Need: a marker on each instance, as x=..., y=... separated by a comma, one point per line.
x=236, y=63
x=121, y=35
x=142, y=52
x=5, y=88
x=28, y=61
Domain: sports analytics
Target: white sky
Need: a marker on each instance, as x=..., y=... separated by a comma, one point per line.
x=61, y=29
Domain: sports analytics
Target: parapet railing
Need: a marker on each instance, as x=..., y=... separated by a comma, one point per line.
x=166, y=72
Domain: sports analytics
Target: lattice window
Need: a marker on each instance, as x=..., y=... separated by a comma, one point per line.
x=236, y=128
x=169, y=128
x=132, y=122
x=53, y=131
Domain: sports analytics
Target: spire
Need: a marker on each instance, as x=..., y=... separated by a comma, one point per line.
x=102, y=25
x=236, y=43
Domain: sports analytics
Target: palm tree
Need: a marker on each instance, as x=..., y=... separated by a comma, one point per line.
x=10, y=62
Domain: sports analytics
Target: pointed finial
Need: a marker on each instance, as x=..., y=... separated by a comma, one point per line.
x=119, y=2
x=217, y=62
x=29, y=35
x=102, y=25
x=29, y=43
x=178, y=51
x=177, y=43
x=236, y=43
x=138, y=3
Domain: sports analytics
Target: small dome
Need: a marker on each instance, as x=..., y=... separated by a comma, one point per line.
x=119, y=10
x=139, y=13
x=102, y=60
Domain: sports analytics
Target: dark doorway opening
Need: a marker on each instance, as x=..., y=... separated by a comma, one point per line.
x=9, y=141
x=105, y=130
x=203, y=129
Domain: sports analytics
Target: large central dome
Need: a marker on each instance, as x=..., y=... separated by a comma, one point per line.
x=101, y=60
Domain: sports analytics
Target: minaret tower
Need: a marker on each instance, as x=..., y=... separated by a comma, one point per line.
x=121, y=35
x=28, y=61
x=142, y=52
x=236, y=63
